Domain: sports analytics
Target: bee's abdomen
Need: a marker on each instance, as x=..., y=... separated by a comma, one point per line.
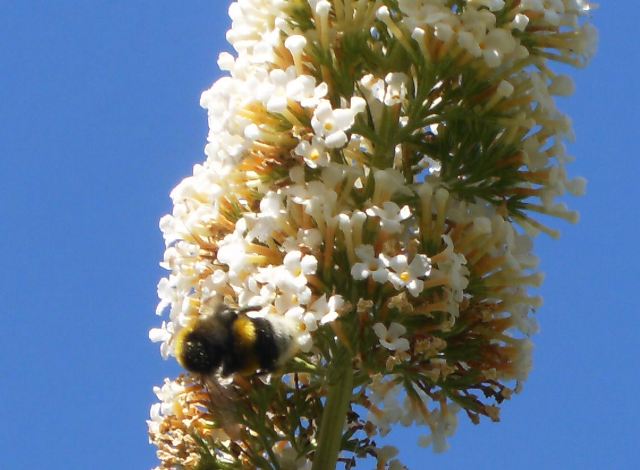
x=266, y=346
x=254, y=346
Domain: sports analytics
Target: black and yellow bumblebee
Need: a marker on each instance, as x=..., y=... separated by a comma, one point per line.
x=229, y=341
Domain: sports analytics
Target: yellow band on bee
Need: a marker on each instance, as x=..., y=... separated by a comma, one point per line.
x=179, y=344
x=244, y=331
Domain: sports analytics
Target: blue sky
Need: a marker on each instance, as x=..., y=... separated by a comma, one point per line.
x=100, y=119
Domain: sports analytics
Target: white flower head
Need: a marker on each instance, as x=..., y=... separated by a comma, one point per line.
x=294, y=175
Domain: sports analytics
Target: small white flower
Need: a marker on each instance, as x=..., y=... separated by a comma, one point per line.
x=391, y=338
x=252, y=31
x=295, y=43
x=322, y=7
x=389, y=182
x=357, y=104
x=406, y=275
x=232, y=252
x=374, y=86
x=525, y=323
x=276, y=94
x=326, y=311
x=562, y=85
x=520, y=22
x=331, y=124
x=285, y=301
x=167, y=395
x=268, y=221
x=203, y=186
x=395, y=464
x=166, y=294
x=156, y=418
x=213, y=284
x=226, y=61
x=505, y=89
x=443, y=31
x=307, y=322
x=293, y=278
x=443, y=426
x=317, y=199
x=386, y=453
x=577, y=186
x=391, y=216
x=311, y=238
x=163, y=335
x=256, y=293
x=453, y=266
x=303, y=89
x=383, y=14
x=396, y=88
x=303, y=316
x=387, y=416
x=497, y=43
x=370, y=265
x=289, y=459
x=314, y=152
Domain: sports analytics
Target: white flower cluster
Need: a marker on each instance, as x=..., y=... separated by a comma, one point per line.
x=329, y=184
x=175, y=418
x=167, y=395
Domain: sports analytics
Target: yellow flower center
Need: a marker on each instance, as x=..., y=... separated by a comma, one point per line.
x=405, y=276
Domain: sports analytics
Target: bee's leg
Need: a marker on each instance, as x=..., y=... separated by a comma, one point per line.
x=250, y=308
x=230, y=365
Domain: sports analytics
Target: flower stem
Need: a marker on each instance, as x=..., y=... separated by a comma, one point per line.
x=334, y=414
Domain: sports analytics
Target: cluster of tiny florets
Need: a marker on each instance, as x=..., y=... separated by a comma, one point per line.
x=374, y=171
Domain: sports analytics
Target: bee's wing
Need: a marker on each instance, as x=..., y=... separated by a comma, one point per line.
x=223, y=400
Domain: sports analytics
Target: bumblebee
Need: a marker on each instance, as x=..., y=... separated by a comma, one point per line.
x=229, y=341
